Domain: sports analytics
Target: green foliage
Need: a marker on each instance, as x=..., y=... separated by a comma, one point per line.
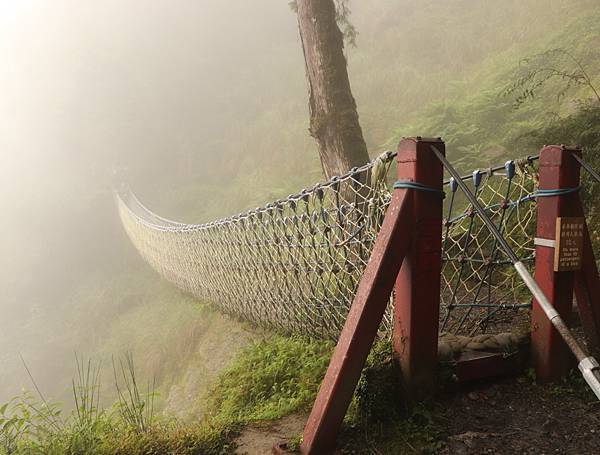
x=377, y=395
x=31, y=425
x=379, y=420
x=172, y=438
x=26, y=420
x=573, y=384
x=270, y=379
x=539, y=69
x=416, y=433
x=27, y=432
x=478, y=118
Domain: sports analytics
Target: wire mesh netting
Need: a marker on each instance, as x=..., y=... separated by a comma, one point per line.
x=294, y=264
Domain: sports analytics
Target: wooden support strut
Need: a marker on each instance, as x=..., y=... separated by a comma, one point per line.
x=557, y=170
x=391, y=246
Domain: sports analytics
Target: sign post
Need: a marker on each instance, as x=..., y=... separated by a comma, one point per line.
x=559, y=240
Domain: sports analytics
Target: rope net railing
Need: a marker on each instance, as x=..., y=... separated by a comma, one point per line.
x=481, y=292
x=294, y=264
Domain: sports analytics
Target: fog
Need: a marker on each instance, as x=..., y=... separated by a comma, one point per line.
x=200, y=106
x=153, y=93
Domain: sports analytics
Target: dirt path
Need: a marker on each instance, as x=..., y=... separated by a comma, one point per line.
x=259, y=440
x=510, y=416
x=515, y=416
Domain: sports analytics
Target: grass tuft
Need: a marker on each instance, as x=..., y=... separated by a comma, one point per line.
x=136, y=409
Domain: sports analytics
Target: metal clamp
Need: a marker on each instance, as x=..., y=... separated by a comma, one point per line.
x=550, y=243
x=591, y=373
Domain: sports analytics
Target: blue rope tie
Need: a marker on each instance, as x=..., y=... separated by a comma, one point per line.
x=408, y=185
x=556, y=192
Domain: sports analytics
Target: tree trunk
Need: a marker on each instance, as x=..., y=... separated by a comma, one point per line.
x=333, y=116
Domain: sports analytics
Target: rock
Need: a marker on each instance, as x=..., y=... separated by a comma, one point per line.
x=473, y=396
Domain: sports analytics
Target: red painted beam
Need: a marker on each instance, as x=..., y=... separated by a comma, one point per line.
x=417, y=290
x=587, y=292
x=550, y=355
x=361, y=326
x=476, y=365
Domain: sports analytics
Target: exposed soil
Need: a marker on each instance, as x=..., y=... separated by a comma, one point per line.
x=261, y=439
x=515, y=416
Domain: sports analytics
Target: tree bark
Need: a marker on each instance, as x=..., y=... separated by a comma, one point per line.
x=333, y=116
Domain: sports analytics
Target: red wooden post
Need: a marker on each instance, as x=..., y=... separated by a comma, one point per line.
x=557, y=170
x=417, y=290
x=587, y=292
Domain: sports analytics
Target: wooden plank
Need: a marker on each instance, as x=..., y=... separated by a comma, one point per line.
x=476, y=365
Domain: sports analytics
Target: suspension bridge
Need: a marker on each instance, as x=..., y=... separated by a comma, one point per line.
x=294, y=264
x=297, y=264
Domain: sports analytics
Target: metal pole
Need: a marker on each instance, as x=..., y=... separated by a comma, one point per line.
x=587, y=167
x=587, y=365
